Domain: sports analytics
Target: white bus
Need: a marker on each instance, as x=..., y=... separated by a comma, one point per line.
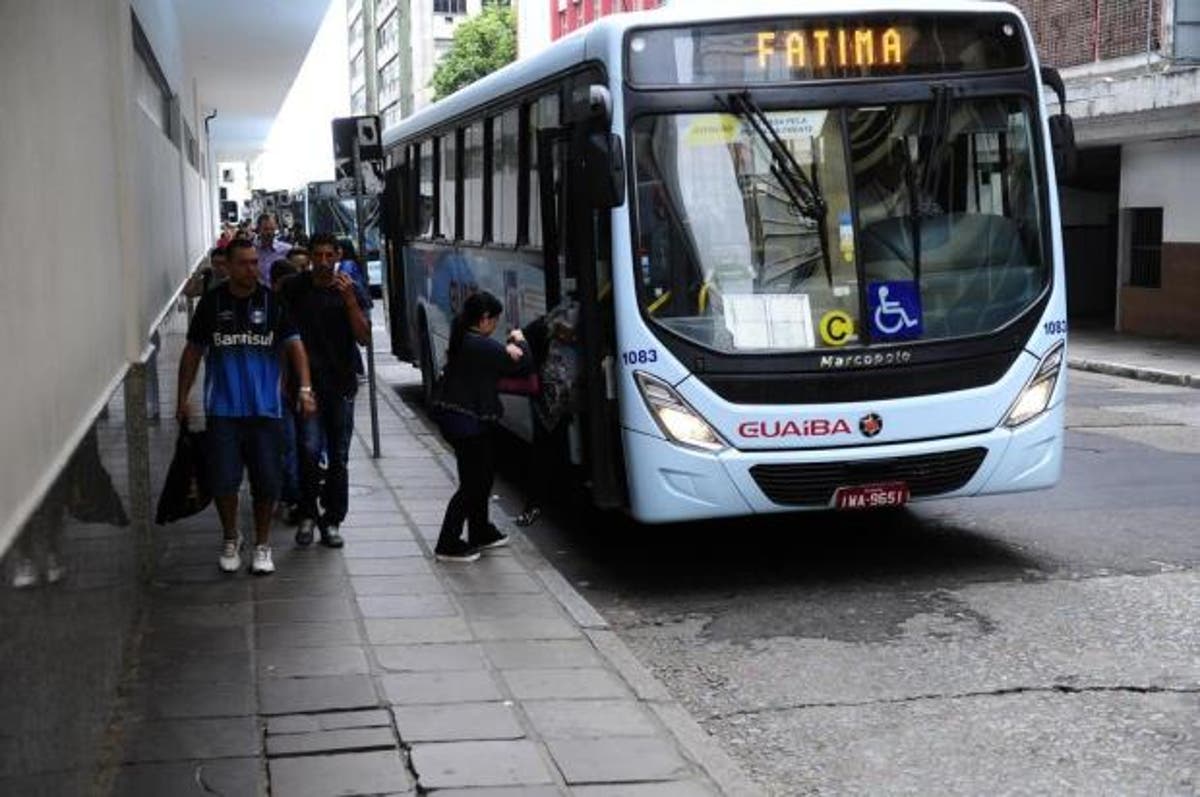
x=816, y=247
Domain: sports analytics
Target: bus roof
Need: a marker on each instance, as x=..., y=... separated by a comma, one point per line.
x=602, y=37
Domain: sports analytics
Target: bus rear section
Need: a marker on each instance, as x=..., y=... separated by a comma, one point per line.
x=844, y=285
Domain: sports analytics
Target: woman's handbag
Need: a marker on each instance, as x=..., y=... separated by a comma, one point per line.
x=528, y=385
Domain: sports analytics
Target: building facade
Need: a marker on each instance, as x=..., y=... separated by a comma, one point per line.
x=567, y=16
x=540, y=22
x=106, y=195
x=394, y=48
x=1131, y=220
x=118, y=113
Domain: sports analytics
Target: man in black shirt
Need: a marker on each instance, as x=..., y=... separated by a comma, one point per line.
x=330, y=312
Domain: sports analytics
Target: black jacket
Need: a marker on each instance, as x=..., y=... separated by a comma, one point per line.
x=469, y=381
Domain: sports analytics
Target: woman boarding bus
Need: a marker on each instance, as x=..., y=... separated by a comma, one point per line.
x=816, y=252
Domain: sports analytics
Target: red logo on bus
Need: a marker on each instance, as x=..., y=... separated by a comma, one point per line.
x=870, y=425
x=811, y=427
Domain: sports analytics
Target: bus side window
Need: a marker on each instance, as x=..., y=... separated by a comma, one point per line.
x=543, y=114
x=448, y=199
x=472, y=183
x=505, y=166
x=423, y=213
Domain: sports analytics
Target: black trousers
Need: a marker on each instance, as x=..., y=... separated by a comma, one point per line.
x=543, y=460
x=476, y=458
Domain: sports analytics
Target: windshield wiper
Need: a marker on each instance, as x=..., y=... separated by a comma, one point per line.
x=936, y=130
x=803, y=191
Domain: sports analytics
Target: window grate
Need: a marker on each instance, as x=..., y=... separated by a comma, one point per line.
x=1145, y=248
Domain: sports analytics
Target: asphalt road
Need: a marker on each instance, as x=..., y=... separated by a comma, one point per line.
x=1046, y=643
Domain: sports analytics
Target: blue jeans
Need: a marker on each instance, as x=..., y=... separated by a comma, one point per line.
x=330, y=430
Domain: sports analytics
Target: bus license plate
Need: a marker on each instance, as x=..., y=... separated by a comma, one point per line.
x=871, y=496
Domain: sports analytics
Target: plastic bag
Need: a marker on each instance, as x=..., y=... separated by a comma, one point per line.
x=185, y=491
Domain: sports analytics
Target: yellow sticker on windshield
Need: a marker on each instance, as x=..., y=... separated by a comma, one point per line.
x=711, y=129
x=836, y=328
x=708, y=130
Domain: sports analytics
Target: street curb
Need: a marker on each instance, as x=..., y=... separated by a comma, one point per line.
x=724, y=772
x=582, y=612
x=1135, y=372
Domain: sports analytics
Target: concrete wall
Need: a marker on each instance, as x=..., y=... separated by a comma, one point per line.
x=92, y=216
x=533, y=26
x=1163, y=174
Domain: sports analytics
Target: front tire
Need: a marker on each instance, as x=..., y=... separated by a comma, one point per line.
x=427, y=371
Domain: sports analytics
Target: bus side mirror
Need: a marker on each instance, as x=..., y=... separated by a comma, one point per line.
x=603, y=171
x=1062, y=128
x=1062, y=144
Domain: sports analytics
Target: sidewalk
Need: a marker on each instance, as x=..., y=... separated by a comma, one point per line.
x=376, y=670
x=1148, y=359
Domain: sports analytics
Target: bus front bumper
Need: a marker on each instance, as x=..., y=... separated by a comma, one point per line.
x=669, y=483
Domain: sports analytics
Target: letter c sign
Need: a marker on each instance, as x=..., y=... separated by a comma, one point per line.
x=836, y=328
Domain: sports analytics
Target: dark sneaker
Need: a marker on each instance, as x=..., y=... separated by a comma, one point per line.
x=331, y=537
x=304, y=532
x=456, y=551
x=492, y=538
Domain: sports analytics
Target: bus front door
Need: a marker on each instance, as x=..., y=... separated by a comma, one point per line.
x=577, y=251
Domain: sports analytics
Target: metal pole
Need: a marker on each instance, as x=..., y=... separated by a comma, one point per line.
x=1149, y=32
x=362, y=266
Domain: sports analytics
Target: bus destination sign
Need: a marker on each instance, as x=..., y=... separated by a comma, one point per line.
x=812, y=49
x=830, y=47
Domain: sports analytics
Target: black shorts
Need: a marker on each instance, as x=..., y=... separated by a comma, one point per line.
x=253, y=444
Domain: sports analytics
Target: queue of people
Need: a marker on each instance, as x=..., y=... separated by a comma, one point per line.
x=243, y=331
x=279, y=328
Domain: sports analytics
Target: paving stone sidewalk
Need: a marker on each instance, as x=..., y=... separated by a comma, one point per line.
x=376, y=670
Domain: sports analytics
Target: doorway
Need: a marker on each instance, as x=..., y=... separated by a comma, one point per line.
x=1089, y=206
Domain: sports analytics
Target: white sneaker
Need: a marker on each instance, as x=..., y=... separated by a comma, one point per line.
x=25, y=574
x=231, y=555
x=262, y=564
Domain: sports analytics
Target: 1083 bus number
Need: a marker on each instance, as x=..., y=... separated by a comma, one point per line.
x=639, y=356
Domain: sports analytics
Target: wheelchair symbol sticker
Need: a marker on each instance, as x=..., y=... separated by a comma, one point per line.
x=895, y=310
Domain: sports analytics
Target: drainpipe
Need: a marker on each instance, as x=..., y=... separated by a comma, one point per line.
x=214, y=189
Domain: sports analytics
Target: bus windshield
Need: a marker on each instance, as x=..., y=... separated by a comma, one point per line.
x=874, y=225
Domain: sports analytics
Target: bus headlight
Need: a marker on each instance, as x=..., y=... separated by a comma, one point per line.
x=1035, y=396
x=678, y=421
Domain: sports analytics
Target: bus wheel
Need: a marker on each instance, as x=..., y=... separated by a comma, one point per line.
x=427, y=375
